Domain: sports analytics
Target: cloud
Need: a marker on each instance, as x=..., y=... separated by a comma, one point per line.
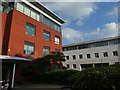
x=71, y=36
x=114, y=12
x=74, y=36
x=108, y=30
x=73, y=10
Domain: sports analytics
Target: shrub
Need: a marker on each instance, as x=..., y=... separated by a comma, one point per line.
x=97, y=78
x=57, y=77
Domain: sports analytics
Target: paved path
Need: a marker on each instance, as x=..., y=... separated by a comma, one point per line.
x=41, y=87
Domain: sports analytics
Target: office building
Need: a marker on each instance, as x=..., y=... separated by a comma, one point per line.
x=91, y=54
x=29, y=31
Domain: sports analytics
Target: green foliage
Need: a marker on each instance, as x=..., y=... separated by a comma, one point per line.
x=57, y=77
x=45, y=64
x=97, y=78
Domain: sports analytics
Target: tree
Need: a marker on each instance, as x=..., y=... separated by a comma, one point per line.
x=56, y=59
x=50, y=62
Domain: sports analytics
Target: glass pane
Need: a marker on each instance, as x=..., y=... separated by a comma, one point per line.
x=30, y=29
x=31, y=48
x=28, y=48
x=20, y=7
x=33, y=14
x=27, y=11
x=25, y=47
x=46, y=50
x=38, y=17
x=46, y=36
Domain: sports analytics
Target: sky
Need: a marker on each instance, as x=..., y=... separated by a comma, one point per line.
x=86, y=21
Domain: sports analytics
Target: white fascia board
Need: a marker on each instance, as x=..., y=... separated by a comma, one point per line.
x=31, y=5
x=49, y=10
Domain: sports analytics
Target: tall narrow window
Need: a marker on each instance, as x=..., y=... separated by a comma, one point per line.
x=47, y=35
x=33, y=14
x=28, y=48
x=115, y=53
x=30, y=29
x=105, y=54
x=67, y=57
x=57, y=40
x=96, y=55
x=46, y=50
x=88, y=56
x=27, y=10
x=80, y=56
x=74, y=65
x=38, y=17
x=74, y=57
x=20, y=7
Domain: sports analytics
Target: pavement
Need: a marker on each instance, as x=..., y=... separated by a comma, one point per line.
x=41, y=87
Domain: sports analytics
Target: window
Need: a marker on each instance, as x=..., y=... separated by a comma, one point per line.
x=47, y=35
x=115, y=53
x=68, y=66
x=74, y=65
x=33, y=14
x=28, y=48
x=105, y=54
x=20, y=7
x=30, y=29
x=96, y=55
x=46, y=50
x=80, y=56
x=27, y=11
x=57, y=40
x=74, y=57
x=38, y=17
x=88, y=55
x=67, y=57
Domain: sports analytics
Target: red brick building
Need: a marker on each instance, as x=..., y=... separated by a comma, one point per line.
x=29, y=30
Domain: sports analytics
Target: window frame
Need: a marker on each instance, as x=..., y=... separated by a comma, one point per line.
x=80, y=56
x=30, y=25
x=47, y=33
x=88, y=56
x=96, y=55
x=29, y=44
x=67, y=57
x=47, y=48
x=74, y=66
x=115, y=53
x=105, y=54
x=57, y=40
x=74, y=57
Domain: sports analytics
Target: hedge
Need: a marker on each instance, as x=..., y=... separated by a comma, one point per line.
x=57, y=77
x=97, y=78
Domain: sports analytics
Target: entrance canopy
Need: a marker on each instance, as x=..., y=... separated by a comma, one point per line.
x=14, y=58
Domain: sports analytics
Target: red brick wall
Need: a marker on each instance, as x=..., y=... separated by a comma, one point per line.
x=18, y=36
x=2, y=28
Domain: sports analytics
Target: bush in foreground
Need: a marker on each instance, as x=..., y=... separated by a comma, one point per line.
x=97, y=78
x=56, y=77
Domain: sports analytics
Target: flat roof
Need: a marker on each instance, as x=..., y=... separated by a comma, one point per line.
x=14, y=58
x=93, y=41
